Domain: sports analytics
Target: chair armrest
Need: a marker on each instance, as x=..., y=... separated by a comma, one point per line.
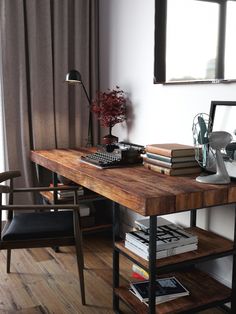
x=40, y=189
x=33, y=207
x=4, y=176
x=4, y=189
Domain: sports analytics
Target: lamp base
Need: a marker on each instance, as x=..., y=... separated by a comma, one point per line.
x=214, y=179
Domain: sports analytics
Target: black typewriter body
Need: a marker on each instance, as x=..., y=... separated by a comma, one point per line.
x=126, y=154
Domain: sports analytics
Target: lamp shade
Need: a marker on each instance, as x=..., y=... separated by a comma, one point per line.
x=73, y=77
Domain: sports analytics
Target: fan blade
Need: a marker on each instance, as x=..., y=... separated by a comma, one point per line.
x=203, y=134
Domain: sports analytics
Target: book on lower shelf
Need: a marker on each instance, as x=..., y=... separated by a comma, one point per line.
x=143, y=223
x=139, y=272
x=61, y=194
x=166, y=289
x=160, y=254
x=171, y=239
x=84, y=210
x=167, y=237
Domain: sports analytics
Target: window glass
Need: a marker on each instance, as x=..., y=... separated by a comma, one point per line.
x=230, y=45
x=191, y=46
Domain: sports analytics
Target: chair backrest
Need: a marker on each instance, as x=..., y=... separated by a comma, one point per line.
x=5, y=176
x=10, y=175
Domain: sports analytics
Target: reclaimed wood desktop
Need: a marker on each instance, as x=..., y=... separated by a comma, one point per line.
x=142, y=191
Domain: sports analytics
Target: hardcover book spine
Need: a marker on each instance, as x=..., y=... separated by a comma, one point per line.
x=171, y=165
x=171, y=150
x=163, y=253
x=159, y=150
x=169, y=159
x=172, y=172
x=158, y=169
x=139, y=270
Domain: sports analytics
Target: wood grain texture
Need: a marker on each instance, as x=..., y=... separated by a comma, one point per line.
x=140, y=189
x=46, y=282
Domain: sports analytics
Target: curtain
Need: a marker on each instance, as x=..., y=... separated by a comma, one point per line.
x=41, y=40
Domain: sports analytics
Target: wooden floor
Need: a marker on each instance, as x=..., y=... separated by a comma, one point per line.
x=42, y=281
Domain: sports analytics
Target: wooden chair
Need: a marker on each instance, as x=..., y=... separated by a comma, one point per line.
x=40, y=228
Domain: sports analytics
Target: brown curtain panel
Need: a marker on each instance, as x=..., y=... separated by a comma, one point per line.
x=41, y=40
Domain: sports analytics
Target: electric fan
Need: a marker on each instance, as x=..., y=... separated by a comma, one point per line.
x=208, y=146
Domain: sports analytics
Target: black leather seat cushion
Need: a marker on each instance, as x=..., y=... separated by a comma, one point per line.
x=40, y=225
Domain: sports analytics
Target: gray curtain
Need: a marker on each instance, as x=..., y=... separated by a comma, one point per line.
x=40, y=41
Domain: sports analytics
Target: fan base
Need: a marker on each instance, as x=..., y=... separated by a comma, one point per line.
x=214, y=179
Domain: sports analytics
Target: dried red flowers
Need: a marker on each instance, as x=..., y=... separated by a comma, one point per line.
x=110, y=107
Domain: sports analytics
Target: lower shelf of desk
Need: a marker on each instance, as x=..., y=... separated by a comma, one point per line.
x=205, y=292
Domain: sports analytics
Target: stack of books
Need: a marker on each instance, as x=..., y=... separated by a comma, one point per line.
x=171, y=159
x=63, y=194
x=171, y=239
x=167, y=289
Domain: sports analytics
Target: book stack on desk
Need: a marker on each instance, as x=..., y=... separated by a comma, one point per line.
x=167, y=289
x=171, y=159
x=171, y=239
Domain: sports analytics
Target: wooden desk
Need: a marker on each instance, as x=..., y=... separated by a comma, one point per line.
x=137, y=188
x=149, y=194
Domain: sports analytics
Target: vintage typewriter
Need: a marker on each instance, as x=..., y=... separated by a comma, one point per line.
x=125, y=154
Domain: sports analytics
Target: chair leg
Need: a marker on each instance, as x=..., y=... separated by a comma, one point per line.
x=8, y=260
x=80, y=264
x=79, y=253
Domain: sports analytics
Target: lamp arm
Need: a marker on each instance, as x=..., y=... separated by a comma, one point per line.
x=90, y=123
x=87, y=96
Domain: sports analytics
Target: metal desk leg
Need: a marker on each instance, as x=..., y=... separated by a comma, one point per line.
x=116, y=216
x=55, y=199
x=233, y=299
x=193, y=217
x=152, y=264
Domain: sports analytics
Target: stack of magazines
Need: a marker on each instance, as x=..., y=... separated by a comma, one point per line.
x=171, y=239
x=63, y=194
x=167, y=289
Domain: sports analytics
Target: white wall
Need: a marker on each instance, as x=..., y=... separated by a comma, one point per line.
x=158, y=113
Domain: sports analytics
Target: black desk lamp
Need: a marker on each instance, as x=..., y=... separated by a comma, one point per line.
x=74, y=77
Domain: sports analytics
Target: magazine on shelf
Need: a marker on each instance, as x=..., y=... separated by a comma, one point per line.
x=167, y=237
x=166, y=289
x=157, y=302
x=161, y=254
x=143, y=223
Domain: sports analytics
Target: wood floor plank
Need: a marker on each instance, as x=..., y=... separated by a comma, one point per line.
x=31, y=310
x=44, y=282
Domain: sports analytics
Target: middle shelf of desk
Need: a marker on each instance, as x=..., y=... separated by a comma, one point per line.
x=98, y=220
